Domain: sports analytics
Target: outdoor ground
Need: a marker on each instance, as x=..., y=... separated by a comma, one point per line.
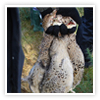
x=30, y=44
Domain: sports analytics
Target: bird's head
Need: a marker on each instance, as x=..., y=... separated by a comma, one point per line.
x=69, y=22
x=48, y=19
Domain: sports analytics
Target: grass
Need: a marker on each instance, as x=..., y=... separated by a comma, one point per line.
x=86, y=85
x=30, y=44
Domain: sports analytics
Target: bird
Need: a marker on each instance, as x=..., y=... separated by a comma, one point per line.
x=74, y=51
x=37, y=72
x=74, y=66
x=59, y=76
x=60, y=64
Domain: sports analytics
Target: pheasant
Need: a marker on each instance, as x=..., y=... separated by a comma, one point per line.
x=37, y=72
x=60, y=64
x=75, y=53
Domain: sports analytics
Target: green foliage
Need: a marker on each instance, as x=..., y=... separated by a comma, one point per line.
x=81, y=11
x=29, y=37
x=90, y=56
x=24, y=13
x=86, y=85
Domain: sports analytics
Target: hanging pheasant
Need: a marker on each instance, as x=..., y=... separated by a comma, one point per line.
x=60, y=64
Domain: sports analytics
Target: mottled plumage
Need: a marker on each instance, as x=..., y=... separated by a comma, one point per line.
x=75, y=54
x=60, y=63
x=38, y=70
x=59, y=77
x=77, y=59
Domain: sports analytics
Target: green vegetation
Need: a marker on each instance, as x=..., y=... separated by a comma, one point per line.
x=90, y=56
x=30, y=44
x=81, y=11
x=86, y=85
